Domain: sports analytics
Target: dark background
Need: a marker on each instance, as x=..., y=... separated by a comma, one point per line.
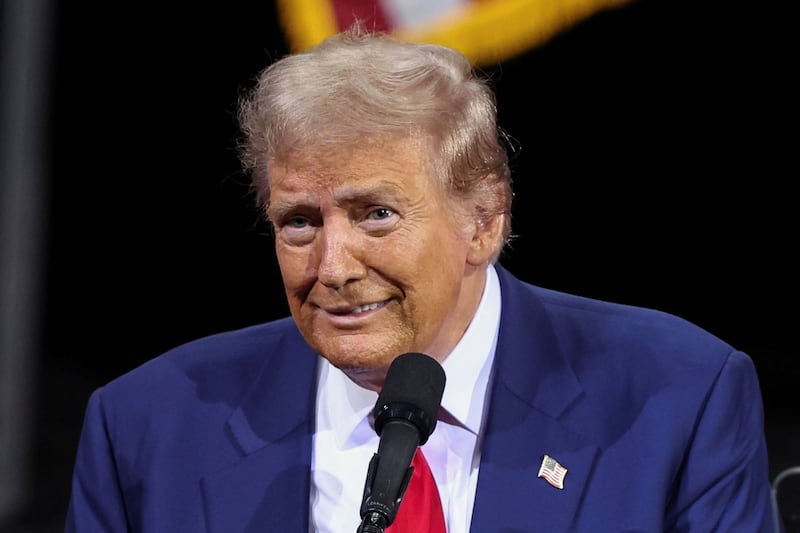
x=656, y=145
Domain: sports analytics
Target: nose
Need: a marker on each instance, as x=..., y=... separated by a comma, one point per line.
x=341, y=254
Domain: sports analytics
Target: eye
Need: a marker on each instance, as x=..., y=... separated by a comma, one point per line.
x=296, y=230
x=381, y=213
x=296, y=222
x=379, y=220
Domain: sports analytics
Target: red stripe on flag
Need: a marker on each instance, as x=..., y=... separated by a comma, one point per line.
x=370, y=12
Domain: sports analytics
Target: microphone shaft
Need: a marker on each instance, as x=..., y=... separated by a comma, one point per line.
x=389, y=475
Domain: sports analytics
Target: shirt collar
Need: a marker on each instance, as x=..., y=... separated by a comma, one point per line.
x=342, y=406
x=469, y=364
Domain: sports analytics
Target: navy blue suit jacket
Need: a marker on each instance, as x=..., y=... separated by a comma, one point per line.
x=658, y=422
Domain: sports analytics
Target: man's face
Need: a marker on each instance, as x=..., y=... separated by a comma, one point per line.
x=375, y=259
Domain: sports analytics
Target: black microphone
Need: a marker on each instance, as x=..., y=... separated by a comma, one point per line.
x=405, y=416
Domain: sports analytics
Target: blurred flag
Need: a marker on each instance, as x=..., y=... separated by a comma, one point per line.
x=486, y=31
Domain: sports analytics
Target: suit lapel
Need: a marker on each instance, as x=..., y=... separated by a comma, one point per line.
x=532, y=389
x=510, y=497
x=268, y=489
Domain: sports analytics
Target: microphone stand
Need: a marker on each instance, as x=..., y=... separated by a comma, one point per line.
x=388, y=476
x=376, y=516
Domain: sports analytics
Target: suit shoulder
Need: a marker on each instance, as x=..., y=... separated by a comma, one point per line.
x=586, y=325
x=224, y=362
x=641, y=325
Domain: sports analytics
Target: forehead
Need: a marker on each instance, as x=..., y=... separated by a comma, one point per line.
x=403, y=162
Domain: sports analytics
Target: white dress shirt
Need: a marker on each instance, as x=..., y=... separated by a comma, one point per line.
x=344, y=440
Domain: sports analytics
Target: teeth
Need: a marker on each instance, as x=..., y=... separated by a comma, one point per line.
x=367, y=307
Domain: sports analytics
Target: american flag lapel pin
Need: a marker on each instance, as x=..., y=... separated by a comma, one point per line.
x=552, y=471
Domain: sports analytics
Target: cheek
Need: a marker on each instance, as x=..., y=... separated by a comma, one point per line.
x=293, y=264
x=446, y=251
x=433, y=267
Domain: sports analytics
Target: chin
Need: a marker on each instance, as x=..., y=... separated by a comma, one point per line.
x=361, y=357
x=357, y=363
x=368, y=378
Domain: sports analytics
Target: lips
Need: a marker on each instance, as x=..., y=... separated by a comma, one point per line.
x=363, y=308
x=368, y=307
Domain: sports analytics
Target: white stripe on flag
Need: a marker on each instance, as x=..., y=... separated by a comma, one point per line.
x=408, y=13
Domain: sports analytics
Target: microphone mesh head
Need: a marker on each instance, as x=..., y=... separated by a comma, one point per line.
x=413, y=390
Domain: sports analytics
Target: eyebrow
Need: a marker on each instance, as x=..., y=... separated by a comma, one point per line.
x=276, y=211
x=349, y=195
x=372, y=194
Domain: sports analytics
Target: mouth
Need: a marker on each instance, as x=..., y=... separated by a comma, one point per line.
x=359, y=310
x=368, y=307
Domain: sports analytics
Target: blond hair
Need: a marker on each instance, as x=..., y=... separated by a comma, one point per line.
x=360, y=85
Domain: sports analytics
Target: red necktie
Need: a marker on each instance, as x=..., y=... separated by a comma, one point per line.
x=421, y=508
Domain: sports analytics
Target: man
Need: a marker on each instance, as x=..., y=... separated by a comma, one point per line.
x=380, y=167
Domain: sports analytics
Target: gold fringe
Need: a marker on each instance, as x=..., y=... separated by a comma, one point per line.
x=489, y=32
x=306, y=22
x=486, y=31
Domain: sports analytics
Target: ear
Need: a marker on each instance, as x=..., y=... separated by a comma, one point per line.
x=486, y=237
